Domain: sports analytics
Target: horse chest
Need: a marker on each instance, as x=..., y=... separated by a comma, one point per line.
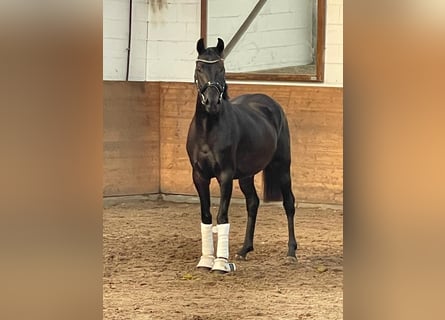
x=209, y=145
x=206, y=159
x=205, y=155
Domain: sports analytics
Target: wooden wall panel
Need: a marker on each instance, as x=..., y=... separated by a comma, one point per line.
x=146, y=124
x=315, y=116
x=131, y=138
x=176, y=113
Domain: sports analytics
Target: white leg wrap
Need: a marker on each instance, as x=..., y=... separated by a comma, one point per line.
x=222, y=253
x=207, y=240
x=208, y=253
x=223, y=241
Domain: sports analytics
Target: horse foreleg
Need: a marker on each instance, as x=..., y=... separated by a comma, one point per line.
x=208, y=255
x=222, y=253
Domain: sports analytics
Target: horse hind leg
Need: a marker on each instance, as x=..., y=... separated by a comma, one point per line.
x=289, y=207
x=279, y=169
x=252, y=202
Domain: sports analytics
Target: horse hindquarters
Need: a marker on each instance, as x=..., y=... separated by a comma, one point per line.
x=278, y=184
x=279, y=165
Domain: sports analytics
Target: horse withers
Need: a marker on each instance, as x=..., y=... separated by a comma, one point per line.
x=236, y=139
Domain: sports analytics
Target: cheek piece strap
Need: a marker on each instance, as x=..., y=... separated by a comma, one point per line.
x=219, y=87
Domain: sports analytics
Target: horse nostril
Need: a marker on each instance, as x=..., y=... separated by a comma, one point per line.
x=207, y=101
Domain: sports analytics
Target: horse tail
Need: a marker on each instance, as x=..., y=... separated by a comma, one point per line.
x=271, y=184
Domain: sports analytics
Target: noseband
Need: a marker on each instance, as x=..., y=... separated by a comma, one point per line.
x=218, y=86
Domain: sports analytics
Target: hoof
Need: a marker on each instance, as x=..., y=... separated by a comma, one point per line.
x=203, y=269
x=206, y=262
x=240, y=257
x=218, y=272
x=291, y=260
x=221, y=265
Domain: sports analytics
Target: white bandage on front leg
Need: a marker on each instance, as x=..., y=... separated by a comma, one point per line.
x=222, y=252
x=208, y=253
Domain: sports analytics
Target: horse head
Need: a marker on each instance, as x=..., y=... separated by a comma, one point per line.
x=210, y=76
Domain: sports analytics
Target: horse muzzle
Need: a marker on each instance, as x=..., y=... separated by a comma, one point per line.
x=210, y=99
x=212, y=108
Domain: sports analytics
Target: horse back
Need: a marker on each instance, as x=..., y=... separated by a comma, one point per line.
x=259, y=108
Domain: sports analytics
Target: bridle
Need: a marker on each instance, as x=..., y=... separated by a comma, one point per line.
x=218, y=86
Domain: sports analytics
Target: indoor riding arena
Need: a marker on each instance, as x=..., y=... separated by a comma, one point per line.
x=291, y=51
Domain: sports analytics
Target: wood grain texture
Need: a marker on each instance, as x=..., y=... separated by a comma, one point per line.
x=315, y=116
x=131, y=138
x=146, y=125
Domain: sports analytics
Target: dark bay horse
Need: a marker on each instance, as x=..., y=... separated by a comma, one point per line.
x=236, y=139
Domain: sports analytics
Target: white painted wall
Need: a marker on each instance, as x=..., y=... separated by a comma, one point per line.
x=173, y=31
x=164, y=40
x=334, y=43
x=115, y=39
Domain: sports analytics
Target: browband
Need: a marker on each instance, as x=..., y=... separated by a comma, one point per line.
x=209, y=61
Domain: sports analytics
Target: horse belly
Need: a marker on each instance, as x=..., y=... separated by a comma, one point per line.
x=252, y=162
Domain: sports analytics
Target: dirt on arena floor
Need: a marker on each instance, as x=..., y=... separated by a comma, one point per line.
x=151, y=249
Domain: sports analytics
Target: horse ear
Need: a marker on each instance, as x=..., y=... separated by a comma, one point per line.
x=220, y=46
x=200, y=47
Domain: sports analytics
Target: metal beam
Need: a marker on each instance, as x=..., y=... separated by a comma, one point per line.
x=243, y=28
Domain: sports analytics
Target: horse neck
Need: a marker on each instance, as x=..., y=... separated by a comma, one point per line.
x=207, y=121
